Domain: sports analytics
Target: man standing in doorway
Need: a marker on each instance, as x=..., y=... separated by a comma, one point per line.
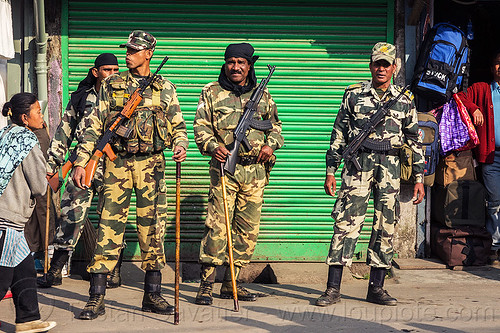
x=379, y=174
x=482, y=100
x=220, y=107
x=157, y=124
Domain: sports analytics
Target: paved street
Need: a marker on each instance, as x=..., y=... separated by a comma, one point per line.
x=430, y=300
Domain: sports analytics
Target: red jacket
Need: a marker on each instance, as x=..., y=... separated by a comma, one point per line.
x=478, y=96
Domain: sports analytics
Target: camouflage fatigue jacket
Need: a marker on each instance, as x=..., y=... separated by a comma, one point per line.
x=399, y=126
x=109, y=107
x=70, y=128
x=217, y=116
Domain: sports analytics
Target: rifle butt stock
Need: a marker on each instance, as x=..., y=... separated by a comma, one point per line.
x=54, y=182
x=231, y=160
x=91, y=167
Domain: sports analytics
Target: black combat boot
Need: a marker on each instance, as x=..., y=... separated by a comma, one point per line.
x=332, y=292
x=54, y=274
x=207, y=275
x=152, y=300
x=376, y=293
x=95, y=305
x=226, y=290
x=114, y=278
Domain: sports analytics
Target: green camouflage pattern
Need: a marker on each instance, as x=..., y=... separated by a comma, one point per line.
x=245, y=192
x=379, y=175
x=67, y=131
x=146, y=176
x=216, y=118
x=118, y=88
x=140, y=40
x=384, y=51
x=75, y=205
x=75, y=202
x=142, y=173
x=400, y=125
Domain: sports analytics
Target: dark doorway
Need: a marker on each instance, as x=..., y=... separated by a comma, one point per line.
x=483, y=18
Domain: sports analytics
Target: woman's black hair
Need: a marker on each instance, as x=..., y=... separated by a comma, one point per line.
x=18, y=105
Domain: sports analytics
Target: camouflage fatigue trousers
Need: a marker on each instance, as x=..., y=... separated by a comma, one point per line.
x=75, y=205
x=245, y=191
x=145, y=174
x=379, y=174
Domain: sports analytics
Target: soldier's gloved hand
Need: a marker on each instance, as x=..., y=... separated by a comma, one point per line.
x=418, y=193
x=265, y=153
x=330, y=185
x=79, y=177
x=221, y=153
x=179, y=154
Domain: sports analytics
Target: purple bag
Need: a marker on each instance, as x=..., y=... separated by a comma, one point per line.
x=453, y=132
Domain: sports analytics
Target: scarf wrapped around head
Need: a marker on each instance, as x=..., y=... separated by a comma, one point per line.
x=240, y=50
x=16, y=142
x=79, y=97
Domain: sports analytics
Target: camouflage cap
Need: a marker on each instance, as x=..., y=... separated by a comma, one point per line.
x=384, y=51
x=140, y=40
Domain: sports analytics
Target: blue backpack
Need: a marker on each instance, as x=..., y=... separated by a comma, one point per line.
x=442, y=64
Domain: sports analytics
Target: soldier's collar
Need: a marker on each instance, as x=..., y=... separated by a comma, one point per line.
x=91, y=90
x=367, y=87
x=392, y=89
x=138, y=77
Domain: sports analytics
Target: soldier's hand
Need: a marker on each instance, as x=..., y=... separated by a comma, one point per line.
x=78, y=174
x=478, y=117
x=265, y=153
x=418, y=193
x=221, y=153
x=330, y=185
x=179, y=154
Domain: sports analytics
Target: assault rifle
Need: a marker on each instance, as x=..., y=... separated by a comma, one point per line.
x=116, y=128
x=351, y=152
x=246, y=122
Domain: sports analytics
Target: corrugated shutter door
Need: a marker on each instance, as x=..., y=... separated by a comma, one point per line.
x=319, y=48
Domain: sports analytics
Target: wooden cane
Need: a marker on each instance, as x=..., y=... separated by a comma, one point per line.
x=177, y=239
x=47, y=217
x=229, y=238
x=47, y=221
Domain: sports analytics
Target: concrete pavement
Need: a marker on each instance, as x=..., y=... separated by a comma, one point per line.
x=435, y=299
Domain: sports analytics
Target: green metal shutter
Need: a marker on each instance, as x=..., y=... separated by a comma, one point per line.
x=319, y=48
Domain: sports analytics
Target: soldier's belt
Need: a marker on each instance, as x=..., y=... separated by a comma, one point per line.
x=390, y=152
x=125, y=154
x=378, y=147
x=247, y=160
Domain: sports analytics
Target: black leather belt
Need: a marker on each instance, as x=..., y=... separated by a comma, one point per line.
x=390, y=152
x=497, y=148
x=247, y=160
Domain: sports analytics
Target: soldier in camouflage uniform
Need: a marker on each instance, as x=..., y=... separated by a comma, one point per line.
x=75, y=202
x=379, y=174
x=156, y=124
x=219, y=110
